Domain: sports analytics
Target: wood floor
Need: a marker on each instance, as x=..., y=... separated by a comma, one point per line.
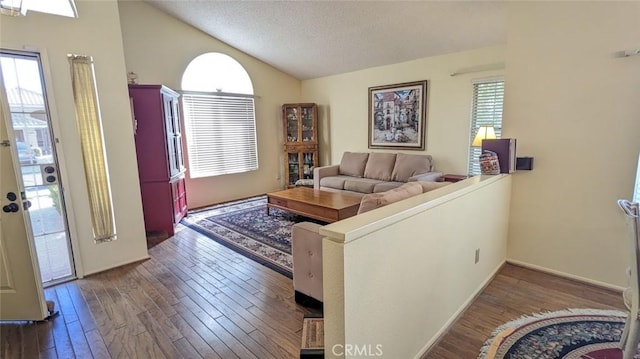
x=195, y=298
x=516, y=291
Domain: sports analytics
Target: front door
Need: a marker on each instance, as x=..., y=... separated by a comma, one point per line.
x=29, y=128
x=21, y=293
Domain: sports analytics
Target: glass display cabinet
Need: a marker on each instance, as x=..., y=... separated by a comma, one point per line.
x=300, y=123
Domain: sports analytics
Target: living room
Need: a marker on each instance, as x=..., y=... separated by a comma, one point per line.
x=565, y=92
x=535, y=60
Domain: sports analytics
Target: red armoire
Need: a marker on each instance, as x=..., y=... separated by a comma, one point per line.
x=160, y=163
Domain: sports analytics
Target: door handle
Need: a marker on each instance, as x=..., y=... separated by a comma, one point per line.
x=10, y=208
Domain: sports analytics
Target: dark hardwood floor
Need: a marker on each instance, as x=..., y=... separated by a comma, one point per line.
x=195, y=298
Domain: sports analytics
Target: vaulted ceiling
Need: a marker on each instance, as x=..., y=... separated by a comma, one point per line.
x=310, y=39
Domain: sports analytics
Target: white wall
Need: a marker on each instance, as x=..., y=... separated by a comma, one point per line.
x=97, y=33
x=158, y=48
x=343, y=102
x=396, y=277
x=574, y=107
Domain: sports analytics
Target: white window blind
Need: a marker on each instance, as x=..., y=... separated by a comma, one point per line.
x=220, y=133
x=488, y=99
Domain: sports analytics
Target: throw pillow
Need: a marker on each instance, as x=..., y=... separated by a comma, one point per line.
x=410, y=165
x=353, y=164
x=376, y=200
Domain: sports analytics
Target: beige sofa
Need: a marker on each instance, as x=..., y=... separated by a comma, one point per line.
x=306, y=242
x=375, y=172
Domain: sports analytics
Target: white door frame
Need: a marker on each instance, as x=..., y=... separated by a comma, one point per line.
x=62, y=168
x=54, y=123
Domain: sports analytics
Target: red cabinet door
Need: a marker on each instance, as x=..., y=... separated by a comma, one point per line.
x=179, y=196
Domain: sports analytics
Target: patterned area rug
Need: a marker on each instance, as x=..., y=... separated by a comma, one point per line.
x=245, y=227
x=570, y=334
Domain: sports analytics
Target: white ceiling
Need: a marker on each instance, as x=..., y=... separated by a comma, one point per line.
x=310, y=39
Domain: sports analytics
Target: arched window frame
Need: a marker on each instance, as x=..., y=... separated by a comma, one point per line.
x=220, y=126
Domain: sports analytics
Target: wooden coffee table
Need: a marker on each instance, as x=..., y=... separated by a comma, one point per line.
x=322, y=205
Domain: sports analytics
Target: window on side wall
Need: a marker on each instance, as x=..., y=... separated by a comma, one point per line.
x=486, y=110
x=219, y=114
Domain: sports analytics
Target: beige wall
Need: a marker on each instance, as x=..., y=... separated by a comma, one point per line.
x=343, y=102
x=574, y=107
x=570, y=103
x=414, y=260
x=97, y=33
x=158, y=48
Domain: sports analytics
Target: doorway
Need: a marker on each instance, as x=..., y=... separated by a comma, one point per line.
x=35, y=158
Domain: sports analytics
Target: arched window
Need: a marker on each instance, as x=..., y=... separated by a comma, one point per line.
x=219, y=115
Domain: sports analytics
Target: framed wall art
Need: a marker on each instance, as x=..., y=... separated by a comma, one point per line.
x=398, y=116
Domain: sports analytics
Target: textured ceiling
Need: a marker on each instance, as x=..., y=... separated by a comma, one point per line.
x=310, y=39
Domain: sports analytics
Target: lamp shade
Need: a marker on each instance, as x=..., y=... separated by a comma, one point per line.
x=484, y=133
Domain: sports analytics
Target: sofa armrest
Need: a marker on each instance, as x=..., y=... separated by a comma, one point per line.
x=426, y=177
x=306, y=252
x=324, y=171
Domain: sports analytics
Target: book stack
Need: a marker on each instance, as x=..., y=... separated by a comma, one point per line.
x=505, y=148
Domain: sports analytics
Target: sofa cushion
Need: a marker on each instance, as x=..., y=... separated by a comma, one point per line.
x=380, y=166
x=376, y=200
x=353, y=164
x=336, y=182
x=385, y=186
x=428, y=186
x=408, y=165
x=362, y=185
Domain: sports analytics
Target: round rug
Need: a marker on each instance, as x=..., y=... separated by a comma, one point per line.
x=569, y=334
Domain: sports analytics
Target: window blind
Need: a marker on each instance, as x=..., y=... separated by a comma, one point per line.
x=220, y=133
x=486, y=110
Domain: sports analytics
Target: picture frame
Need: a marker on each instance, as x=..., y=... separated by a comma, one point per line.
x=398, y=116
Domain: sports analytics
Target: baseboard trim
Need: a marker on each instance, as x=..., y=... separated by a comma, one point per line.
x=443, y=330
x=566, y=275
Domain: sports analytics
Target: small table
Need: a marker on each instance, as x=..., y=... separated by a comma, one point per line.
x=321, y=205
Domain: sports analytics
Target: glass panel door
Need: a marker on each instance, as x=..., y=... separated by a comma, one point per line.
x=294, y=168
x=42, y=197
x=308, y=132
x=308, y=164
x=291, y=114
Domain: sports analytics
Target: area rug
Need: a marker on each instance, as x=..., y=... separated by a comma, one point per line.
x=570, y=334
x=244, y=227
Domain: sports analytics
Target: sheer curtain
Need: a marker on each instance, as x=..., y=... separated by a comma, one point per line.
x=92, y=143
